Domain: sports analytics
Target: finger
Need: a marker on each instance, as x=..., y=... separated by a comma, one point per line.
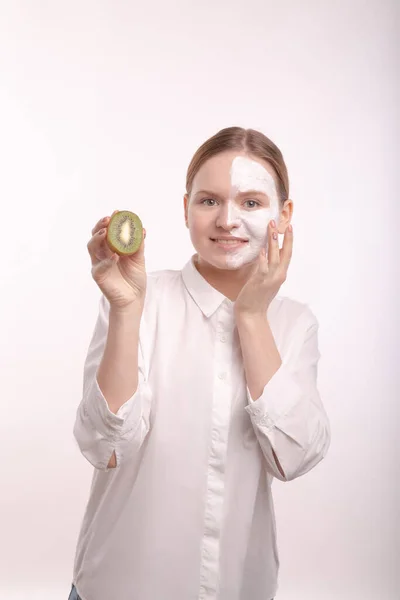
x=287, y=248
x=100, y=224
x=273, y=245
x=98, y=247
x=262, y=266
x=103, y=223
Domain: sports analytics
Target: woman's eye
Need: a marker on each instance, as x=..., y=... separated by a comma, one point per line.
x=255, y=203
x=207, y=202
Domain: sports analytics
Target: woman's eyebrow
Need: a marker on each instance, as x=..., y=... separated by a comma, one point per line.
x=209, y=193
x=253, y=193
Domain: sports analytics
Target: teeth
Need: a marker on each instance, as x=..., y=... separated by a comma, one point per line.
x=230, y=241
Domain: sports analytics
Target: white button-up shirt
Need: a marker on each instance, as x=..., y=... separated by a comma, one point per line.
x=188, y=513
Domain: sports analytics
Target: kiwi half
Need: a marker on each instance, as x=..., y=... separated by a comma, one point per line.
x=125, y=233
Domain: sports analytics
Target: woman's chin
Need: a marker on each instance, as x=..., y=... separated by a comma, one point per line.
x=224, y=263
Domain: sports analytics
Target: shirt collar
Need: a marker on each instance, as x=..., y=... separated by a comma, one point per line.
x=207, y=298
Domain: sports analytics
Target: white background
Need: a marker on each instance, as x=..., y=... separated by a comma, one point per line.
x=102, y=105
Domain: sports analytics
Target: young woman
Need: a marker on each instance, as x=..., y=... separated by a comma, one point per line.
x=200, y=387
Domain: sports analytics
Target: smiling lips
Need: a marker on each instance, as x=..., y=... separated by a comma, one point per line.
x=229, y=243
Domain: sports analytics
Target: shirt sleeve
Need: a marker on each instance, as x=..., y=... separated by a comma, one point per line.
x=98, y=431
x=289, y=416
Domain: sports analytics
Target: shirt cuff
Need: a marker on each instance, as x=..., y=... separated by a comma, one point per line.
x=278, y=398
x=106, y=422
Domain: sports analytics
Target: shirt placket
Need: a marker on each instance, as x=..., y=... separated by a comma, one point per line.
x=221, y=410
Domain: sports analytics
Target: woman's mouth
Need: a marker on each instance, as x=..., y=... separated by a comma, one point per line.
x=232, y=244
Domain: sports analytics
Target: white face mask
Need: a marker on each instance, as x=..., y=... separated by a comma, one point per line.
x=246, y=175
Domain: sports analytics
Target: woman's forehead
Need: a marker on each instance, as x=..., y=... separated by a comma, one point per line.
x=233, y=168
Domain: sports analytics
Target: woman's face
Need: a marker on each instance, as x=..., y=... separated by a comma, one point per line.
x=233, y=196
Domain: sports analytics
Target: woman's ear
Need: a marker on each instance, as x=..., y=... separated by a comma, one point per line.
x=285, y=216
x=185, y=207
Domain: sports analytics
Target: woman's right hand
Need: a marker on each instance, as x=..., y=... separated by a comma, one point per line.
x=122, y=279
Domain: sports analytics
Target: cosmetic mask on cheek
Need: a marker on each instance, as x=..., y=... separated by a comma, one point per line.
x=246, y=175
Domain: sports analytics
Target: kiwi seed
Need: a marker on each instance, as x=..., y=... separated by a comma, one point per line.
x=125, y=233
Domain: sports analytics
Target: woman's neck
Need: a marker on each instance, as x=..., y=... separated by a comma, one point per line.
x=228, y=282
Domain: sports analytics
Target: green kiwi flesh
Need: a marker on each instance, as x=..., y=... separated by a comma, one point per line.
x=125, y=233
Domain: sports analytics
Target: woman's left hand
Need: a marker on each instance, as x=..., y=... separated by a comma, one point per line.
x=268, y=276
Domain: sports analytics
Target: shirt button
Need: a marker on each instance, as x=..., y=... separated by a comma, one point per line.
x=221, y=375
x=223, y=339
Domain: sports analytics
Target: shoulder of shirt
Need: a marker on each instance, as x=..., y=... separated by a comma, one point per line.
x=163, y=275
x=295, y=312
x=162, y=279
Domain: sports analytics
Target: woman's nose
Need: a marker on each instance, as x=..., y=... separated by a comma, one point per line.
x=228, y=218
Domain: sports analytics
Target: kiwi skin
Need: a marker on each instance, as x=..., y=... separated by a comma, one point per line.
x=138, y=231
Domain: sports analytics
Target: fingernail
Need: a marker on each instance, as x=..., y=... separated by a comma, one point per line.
x=273, y=224
x=290, y=228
